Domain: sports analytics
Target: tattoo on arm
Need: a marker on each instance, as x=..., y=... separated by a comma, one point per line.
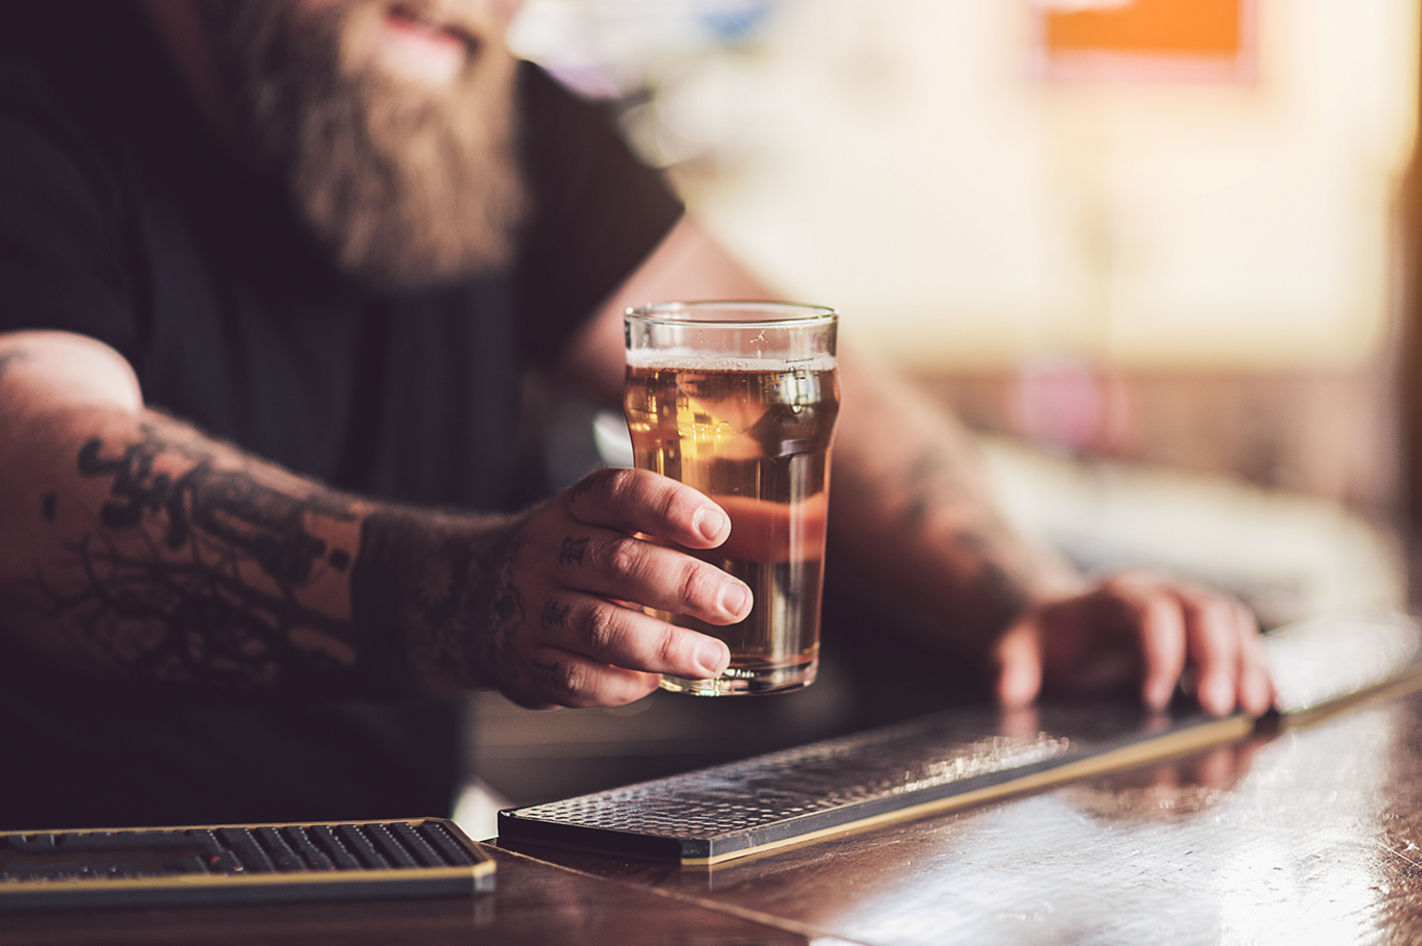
x=995, y=598
x=928, y=482
x=439, y=595
x=11, y=358
x=993, y=589
x=193, y=579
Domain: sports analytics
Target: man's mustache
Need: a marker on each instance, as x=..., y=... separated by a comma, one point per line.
x=475, y=22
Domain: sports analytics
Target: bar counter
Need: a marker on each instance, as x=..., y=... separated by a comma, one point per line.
x=1310, y=834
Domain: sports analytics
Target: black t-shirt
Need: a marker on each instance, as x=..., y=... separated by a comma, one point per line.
x=121, y=218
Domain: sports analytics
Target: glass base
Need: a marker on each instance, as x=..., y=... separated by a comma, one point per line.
x=747, y=681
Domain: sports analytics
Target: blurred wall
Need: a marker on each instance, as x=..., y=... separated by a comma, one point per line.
x=1181, y=264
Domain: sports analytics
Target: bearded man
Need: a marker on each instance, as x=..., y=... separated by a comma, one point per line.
x=270, y=275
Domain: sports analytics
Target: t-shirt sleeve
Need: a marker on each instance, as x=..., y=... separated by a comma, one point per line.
x=60, y=251
x=597, y=213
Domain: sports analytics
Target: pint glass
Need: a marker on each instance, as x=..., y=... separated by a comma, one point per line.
x=739, y=400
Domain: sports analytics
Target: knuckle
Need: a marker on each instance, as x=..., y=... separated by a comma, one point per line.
x=1222, y=613
x=615, y=482
x=695, y=585
x=1164, y=607
x=671, y=502
x=1216, y=618
x=598, y=629
x=667, y=647
x=1128, y=597
x=601, y=487
x=570, y=678
x=625, y=557
x=1117, y=585
x=1140, y=611
x=1129, y=584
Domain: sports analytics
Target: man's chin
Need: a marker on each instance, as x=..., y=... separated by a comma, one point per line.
x=393, y=122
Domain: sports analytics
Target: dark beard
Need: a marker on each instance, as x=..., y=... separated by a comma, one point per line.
x=405, y=186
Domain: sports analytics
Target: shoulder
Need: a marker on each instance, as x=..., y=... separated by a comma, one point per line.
x=61, y=114
x=569, y=142
x=68, y=177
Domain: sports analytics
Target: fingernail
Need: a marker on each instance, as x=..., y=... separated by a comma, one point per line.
x=735, y=600
x=713, y=656
x=711, y=522
x=1217, y=698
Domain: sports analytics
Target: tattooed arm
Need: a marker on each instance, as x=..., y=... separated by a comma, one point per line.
x=135, y=548
x=911, y=508
x=911, y=512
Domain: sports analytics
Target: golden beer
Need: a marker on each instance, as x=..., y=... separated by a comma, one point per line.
x=754, y=435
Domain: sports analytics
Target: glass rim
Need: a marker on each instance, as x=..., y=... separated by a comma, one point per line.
x=683, y=313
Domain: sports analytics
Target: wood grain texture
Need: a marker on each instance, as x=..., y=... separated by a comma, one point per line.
x=536, y=904
x=1310, y=835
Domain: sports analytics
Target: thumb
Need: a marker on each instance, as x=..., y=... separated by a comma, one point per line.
x=1018, y=657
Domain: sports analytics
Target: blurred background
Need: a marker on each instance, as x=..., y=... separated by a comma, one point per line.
x=1157, y=253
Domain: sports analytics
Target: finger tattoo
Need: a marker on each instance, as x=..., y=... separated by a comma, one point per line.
x=545, y=674
x=554, y=616
x=573, y=551
x=585, y=485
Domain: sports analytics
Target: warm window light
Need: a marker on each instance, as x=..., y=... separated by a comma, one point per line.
x=1219, y=193
x=1199, y=38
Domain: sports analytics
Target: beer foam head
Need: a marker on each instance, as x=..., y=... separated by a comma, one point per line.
x=684, y=359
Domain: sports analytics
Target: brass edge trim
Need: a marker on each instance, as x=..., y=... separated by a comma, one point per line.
x=183, y=881
x=476, y=870
x=447, y=822
x=1180, y=742
x=1404, y=683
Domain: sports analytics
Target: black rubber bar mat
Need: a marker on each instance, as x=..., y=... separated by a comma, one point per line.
x=949, y=760
x=132, y=867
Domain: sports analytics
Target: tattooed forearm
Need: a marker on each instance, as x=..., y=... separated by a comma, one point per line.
x=225, y=508
x=11, y=358
x=995, y=597
x=936, y=479
x=193, y=574
x=914, y=513
x=441, y=591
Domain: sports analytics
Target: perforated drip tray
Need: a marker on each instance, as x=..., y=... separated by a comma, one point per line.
x=1320, y=667
x=908, y=770
x=266, y=863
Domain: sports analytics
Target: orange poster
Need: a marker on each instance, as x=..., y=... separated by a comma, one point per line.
x=1146, y=39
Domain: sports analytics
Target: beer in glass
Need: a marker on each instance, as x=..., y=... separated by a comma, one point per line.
x=739, y=400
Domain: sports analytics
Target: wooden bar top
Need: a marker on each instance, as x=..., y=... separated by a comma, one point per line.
x=1312, y=834
x=536, y=904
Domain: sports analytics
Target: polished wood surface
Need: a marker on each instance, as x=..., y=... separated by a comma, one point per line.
x=1312, y=834
x=536, y=904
